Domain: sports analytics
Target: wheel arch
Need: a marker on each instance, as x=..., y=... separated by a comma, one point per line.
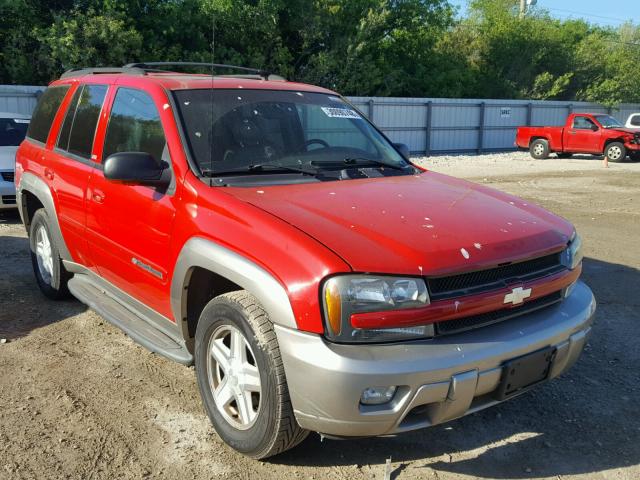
x=33, y=193
x=205, y=269
x=611, y=140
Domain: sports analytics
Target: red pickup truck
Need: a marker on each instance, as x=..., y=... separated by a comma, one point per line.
x=266, y=232
x=590, y=133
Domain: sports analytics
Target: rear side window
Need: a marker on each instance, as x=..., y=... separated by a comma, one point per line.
x=79, y=127
x=134, y=125
x=635, y=120
x=45, y=112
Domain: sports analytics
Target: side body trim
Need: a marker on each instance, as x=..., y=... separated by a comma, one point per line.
x=199, y=252
x=36, y=186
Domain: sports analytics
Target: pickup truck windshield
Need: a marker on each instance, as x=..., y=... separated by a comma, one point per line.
x=607, y=121
x=239, y=131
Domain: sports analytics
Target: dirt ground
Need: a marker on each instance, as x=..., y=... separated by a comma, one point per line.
x=80, y=400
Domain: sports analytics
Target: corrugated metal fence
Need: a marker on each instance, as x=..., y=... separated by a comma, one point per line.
x=439, y=125
x=427, y=125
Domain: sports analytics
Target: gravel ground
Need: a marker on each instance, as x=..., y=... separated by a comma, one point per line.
x=79, y=399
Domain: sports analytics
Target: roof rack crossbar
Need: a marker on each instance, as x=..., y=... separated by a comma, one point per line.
x=149, y=66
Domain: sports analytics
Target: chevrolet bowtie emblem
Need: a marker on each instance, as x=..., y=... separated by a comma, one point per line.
x=517, y=295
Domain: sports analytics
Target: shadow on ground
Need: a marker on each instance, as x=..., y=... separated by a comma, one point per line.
x=27, y=308
x=583, y=422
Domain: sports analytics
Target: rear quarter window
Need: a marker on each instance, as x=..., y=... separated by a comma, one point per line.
x=45, y=112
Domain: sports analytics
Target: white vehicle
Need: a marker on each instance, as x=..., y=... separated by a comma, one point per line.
x=13, y=127
x=633, y=121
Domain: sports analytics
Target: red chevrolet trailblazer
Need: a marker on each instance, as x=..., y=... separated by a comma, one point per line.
x=268, y=233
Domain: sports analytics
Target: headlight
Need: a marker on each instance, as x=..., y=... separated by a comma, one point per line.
x=349, y=294
x=572, y=256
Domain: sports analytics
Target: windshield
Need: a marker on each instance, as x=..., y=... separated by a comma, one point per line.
x=607, y=121
x=12, y=131
x=244, y=131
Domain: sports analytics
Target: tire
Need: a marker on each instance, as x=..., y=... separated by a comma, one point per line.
x=634, y=156
x=539, y=149
x=615, y=152
x=564, y=155
x=266, y=425
x=50, y=273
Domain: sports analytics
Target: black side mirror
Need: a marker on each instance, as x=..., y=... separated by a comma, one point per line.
x=138, y=168
x=594, y=128
x=403, y=149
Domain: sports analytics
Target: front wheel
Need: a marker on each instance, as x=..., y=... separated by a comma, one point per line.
x=615, y=152
x=241, y=377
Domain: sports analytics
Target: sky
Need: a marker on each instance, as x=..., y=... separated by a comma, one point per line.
x=611, y=12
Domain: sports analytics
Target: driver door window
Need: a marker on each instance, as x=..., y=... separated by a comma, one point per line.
x=584, y=123
x=134, y=125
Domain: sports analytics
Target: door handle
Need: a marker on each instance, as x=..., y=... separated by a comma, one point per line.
x=48, y=173
x=97, y=196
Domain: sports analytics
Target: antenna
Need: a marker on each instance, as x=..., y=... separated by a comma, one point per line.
x=213, y=60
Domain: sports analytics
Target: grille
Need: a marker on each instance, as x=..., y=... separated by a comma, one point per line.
x=9, y=199
x=483, y=280
x=484, y=319
x=7, y=176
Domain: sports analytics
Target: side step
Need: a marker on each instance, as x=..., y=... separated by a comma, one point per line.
x=140, y=330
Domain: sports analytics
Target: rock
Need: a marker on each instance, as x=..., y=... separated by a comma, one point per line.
x=3, y=340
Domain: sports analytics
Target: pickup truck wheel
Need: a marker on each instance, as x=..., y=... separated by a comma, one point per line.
x=615, y=152
x=564, y=155
x=634, y=156
x=539, y=149
x=50, y=273
x=241, y=377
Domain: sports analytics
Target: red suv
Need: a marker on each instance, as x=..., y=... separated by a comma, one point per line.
x=269, y=233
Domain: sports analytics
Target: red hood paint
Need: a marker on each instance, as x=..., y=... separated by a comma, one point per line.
x=428, y=224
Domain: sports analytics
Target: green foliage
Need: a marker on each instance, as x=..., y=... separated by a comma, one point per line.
x=358, y=47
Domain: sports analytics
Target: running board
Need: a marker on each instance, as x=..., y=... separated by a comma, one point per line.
x=136, y=326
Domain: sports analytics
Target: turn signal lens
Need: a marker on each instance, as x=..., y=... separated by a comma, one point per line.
x=333, y=302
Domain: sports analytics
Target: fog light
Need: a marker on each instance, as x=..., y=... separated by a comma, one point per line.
x=377, y=395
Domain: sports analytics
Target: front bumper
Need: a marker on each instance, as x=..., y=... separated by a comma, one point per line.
x=438, y=380
x=7, y=194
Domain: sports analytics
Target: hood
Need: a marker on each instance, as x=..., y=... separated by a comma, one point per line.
x=417, y=224
x=8, y=158
x=623, y=130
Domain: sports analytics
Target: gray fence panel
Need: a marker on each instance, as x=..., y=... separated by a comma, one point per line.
x=426, y=125
x=19, y=98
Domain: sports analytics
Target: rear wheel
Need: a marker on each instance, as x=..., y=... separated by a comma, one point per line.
x=564, y=155
x=50, y=273
x=539, y=149
x=241, y=377
x=615, y=152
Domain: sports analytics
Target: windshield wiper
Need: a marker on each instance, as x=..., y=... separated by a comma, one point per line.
x=359, y=161
x=258, y=169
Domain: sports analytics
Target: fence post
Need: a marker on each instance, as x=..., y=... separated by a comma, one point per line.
x=529, y=114
x=370, y=114
x=427, y=138
x=481, y=127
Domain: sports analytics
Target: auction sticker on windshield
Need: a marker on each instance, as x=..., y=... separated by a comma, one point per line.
x=340, y=112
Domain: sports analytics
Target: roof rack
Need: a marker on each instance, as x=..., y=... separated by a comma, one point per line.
x=78, y=72
x=143, y=68
x=253, y=72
